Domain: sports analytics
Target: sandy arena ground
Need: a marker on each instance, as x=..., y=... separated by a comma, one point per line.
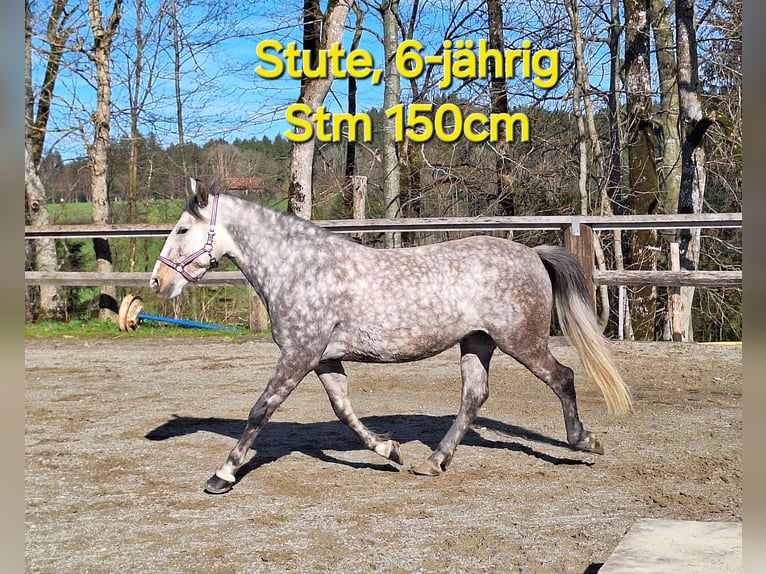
x=122, y=433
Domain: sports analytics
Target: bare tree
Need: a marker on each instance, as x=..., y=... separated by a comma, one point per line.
x=37, y=114
x=642, y=167
x=392, y=95
x=352, y=183
x=504, y=195
x=589, y=144
x=694, y=125
x=177, y=90
x=98, y=151
x=666, y=120
x=141, y=63
x=313, y=93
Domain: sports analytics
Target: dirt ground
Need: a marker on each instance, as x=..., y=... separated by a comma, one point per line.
x=121, y=435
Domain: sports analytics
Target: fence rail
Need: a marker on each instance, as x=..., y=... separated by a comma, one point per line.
x=571, y=225
x=430, y=224
x=234, y=278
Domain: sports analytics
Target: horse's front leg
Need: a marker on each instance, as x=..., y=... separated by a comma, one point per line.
x=475, y=354
x=335, y=383
x=287, y=375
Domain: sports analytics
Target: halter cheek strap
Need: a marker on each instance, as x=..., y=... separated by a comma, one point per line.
x=207, y=248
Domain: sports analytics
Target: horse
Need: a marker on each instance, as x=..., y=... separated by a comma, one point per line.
x=332, y=299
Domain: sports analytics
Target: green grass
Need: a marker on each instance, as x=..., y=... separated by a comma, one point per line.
x=95, y=328
x=155, y=211
x=223, y=306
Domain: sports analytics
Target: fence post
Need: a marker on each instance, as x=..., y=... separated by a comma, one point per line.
x=259, y=317
x=359, y=201
x=675, y=294
x=578, y=239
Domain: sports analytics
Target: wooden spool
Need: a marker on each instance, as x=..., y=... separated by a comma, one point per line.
x=130, y=308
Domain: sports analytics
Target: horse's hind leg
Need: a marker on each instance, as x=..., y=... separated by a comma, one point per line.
x=475, y=354
x=335, y=383
x=560, y=378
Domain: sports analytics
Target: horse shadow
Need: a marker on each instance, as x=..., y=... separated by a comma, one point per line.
x=278, y=439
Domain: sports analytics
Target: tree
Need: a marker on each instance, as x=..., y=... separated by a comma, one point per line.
x=313, y=92
x=666, y=121
x=392, y=95
x=141, y=76
x=587, y=134
x=355, y=189
x=694, y=125
x=499, y=105
x=642, y=168
x=37, y=114
x=98, y=151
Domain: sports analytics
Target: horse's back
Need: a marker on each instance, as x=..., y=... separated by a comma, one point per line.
x=405, y=304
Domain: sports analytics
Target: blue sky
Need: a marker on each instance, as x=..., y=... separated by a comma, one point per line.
x=234, y=102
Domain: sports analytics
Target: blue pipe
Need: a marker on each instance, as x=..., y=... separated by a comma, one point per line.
x=185, y=323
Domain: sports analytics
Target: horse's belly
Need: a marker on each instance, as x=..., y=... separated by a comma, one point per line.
x=393, y=345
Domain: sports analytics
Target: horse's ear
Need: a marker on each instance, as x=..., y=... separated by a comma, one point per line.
x=199, y=190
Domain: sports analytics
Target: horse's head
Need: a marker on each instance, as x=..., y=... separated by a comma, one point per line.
x=191, y=248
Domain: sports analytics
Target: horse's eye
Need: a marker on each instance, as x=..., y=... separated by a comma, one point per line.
x=181, y=231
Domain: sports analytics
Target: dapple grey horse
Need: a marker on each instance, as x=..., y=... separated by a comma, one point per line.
x=331, y=299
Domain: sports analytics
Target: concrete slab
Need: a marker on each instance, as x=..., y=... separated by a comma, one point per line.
x=678, y=547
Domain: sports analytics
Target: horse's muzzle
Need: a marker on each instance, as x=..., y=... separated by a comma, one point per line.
x=154, y=284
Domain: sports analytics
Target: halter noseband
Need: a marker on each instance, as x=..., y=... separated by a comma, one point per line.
x=207, y=248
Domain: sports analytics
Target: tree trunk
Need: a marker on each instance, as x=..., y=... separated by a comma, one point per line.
x=611, y=193
x=47, y=302
x=666, y=122
x=135, y=111
x=667, y=118
x=51, y=302
x=99, y=149
x=313, y=94
x=586, y=130
x=56, y=36
x=642, y=170
x=504, y=193
x=350, y=168
x=392, y=95
x=178, y=96
x=693, y=128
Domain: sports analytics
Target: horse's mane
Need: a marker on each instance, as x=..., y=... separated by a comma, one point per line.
x=193, y=208
x=192, y=204
x=285, y=220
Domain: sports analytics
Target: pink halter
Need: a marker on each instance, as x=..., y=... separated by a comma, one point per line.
x=207, y=248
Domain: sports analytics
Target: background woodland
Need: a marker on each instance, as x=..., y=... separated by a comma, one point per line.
x=125, y=99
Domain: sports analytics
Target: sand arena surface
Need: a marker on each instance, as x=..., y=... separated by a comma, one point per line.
x=122, y=433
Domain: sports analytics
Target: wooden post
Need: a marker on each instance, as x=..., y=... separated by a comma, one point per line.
x=675, y=294
x=578, y=239
x=359, y=205
x=259, y=317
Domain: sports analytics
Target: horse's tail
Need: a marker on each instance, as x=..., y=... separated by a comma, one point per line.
x=579, y=324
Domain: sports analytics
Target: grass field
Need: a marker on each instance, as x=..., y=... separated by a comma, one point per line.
x=227, y=306
x=85, y=328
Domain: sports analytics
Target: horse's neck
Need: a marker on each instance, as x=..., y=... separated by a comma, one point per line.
x=264, y=239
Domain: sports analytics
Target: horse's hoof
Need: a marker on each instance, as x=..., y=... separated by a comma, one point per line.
x=217, y=485
x=591, y=443
x=390, y=449
x=396, y=454
x=427, y=468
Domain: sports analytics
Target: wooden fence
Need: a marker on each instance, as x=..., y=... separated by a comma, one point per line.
x=577, y=232
x=577, y=237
